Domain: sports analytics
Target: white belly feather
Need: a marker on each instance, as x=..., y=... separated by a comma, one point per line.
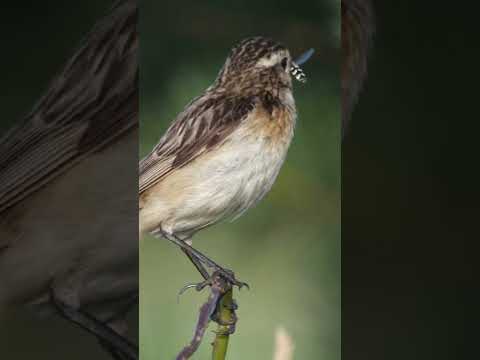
x=222, y=183
x=230, y=182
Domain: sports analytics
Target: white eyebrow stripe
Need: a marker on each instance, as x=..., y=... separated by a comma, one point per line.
x=270, y=61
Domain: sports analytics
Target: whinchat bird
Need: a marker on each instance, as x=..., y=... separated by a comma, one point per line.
x=223, y=152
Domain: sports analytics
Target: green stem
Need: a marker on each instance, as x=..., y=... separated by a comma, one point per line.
x=225, y=315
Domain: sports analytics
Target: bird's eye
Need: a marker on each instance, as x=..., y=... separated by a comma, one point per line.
x=284, y=63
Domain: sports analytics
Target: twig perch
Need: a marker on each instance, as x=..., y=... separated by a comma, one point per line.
x=219, y=307
x=226, y=319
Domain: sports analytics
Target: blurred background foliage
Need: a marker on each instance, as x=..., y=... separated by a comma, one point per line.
x=288, y=247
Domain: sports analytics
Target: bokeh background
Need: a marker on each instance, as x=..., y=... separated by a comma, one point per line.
x=288, y=247
x=410, y=190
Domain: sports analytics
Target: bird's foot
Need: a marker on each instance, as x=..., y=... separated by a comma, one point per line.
x=201, y=261
x=225, y=274
x=229, y=276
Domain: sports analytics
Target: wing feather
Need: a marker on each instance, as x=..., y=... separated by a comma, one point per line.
x=205, y=123
x=93, y=101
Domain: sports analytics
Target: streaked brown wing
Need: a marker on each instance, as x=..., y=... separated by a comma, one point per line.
x=204, y=123
x=88, y=105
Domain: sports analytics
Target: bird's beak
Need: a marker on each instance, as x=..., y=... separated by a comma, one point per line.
x=295, y=69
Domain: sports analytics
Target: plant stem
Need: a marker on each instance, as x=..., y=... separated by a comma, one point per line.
x=226, y=318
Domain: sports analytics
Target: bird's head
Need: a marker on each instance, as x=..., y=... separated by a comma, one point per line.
x=260, y=62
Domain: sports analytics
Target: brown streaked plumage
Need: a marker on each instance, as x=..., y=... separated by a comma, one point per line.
x=223, y=152
x=211, y=117
x=203, y=125
x=357, y=32
x=91, y=103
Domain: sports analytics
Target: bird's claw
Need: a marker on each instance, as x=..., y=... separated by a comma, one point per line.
x=230, y=277
x=226, y=274
x=198, y=286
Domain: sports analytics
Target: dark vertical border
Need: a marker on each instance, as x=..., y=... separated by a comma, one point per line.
x=410, y=189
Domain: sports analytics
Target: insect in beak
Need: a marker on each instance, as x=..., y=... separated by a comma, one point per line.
x=295, y=69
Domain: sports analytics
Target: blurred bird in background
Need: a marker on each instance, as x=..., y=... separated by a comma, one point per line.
x=357, y=32
x=222, y=153
x=68, y=180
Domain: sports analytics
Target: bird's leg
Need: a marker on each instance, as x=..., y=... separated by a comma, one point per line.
x=197, y=263
x=118, y=316
x=200, y=259
x=110, y=339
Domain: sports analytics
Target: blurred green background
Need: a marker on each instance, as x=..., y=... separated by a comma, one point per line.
x=288, y=247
